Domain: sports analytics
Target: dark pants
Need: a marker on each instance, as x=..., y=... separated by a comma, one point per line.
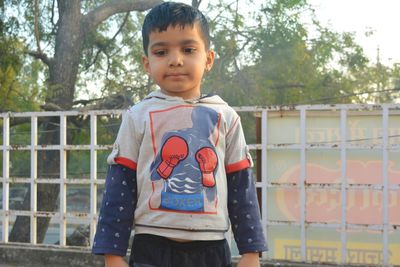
x=157, y=251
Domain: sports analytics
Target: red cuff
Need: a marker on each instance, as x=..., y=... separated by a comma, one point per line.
x=126, y=162
x=237, y=166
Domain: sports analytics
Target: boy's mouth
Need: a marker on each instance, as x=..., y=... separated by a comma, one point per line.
x=175, y=75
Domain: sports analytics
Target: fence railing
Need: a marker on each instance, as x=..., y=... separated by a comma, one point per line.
x=328, y=178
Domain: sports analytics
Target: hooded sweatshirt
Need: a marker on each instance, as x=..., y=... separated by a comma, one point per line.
x=181, y=152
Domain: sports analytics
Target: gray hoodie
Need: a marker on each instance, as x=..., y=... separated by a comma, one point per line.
x=181, y=151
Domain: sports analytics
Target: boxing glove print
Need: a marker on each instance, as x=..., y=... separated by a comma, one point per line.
x=174, y=150
x=207, y=160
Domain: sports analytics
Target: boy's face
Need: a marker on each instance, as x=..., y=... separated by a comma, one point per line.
x=177, y=59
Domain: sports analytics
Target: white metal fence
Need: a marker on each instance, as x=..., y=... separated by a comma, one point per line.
x=328, y=178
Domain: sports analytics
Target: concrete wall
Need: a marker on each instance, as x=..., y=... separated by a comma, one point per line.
x=23, y=256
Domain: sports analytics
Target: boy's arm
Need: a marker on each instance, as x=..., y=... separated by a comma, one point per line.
x=244, y=213
x=114, y=261
x=249, y=260
x=117, y=212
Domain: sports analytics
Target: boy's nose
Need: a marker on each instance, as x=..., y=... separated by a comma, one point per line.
x=175, y=59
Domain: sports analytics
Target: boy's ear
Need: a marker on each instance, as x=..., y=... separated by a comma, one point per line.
x=145, y=62
x=210, y=59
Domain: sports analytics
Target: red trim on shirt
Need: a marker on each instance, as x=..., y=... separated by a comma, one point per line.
x=126, y=162
x=237, y=166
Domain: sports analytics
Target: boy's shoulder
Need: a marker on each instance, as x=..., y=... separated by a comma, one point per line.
x=223, y=107
x=141, y=106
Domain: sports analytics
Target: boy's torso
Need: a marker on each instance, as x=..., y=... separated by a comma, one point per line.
x=182, y=187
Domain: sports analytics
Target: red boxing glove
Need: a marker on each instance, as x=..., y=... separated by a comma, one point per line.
x=173, y=151
x=207, y=160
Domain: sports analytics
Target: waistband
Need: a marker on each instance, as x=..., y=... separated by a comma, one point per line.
x=189, y=245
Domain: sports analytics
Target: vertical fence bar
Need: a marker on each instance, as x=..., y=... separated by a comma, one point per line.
x=63, y=176
x=6, y=177
x=343, y=186
x=264, y=173
x=33, y=184
x=93, y=175
x=302, y=183
x=385, y=165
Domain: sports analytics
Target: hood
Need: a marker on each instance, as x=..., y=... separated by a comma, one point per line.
x=206, y=98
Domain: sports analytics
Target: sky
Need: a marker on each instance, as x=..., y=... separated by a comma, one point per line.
x=359, y=16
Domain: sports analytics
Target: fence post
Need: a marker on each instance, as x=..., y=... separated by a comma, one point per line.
x=343, y=186
x=93, y=175
x=303, y=162
x=33, y=184
x=6, y=177
x=385, y=189
x=63, y=177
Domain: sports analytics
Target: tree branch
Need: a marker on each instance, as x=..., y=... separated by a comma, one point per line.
x=39, y=54
x=51, y=107
x=102, y=12
x=103, y=48
x=116, y=101
x=42, y=56
x=55, y=24
x=85, y=102
x=36, y=26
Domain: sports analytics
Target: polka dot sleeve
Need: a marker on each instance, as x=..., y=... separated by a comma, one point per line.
x=244, y=212
x=117, y=212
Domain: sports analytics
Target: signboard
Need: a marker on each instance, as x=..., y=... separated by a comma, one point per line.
x=362, y=169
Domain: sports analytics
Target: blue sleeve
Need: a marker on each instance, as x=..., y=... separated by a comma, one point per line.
x=244, y=212
x=117, y=212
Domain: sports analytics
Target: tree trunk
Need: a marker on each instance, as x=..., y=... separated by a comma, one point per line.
x=63, y=72
x=64, y=68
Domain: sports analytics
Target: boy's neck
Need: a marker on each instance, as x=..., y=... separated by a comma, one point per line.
x=188, y=96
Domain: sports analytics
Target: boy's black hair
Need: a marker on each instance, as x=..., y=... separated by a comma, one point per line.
x=174, y=14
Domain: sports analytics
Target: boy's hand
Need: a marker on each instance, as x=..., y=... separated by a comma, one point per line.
x=249, y=260
x=115, y=261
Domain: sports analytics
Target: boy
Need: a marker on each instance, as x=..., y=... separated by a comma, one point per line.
x=180, y=167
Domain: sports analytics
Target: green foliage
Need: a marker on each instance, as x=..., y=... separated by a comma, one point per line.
x=113, y=52
x=16, y=93
x=279, y=61
x=266, y=55
x=19, y=88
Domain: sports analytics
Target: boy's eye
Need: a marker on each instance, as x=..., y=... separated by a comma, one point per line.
x=189, y=50
x=160, y=53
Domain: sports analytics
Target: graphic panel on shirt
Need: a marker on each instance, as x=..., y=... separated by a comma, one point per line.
x=185, y=160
